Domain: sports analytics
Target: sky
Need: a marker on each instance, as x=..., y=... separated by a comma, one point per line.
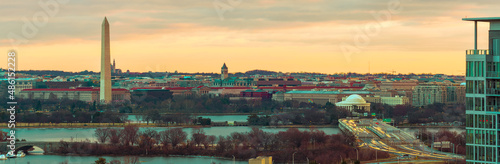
x=325, y=36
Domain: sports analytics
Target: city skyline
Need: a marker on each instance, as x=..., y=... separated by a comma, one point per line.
x=303, y=36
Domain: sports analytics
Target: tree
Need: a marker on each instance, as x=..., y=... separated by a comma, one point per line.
x=198, y=136
x=148, y=139
x=38, y=106
x=102, y=134
x=152, y=115
x=114, y=136
x=100, y=161
x=173, y=136
x=130, y=134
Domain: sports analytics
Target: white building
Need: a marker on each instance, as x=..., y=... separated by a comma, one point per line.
x=354, y=102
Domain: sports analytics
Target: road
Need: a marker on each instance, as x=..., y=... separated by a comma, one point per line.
x=380, y=136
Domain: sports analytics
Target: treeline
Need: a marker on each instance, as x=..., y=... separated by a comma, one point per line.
x=175, y=104
x=416, y=115
x=313, y=145
x=67, y=117
x=329, y=115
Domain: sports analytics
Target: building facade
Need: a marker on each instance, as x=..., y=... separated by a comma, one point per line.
x=81, y=94
x=483, y=97
x=429, y=93
x=321, y=97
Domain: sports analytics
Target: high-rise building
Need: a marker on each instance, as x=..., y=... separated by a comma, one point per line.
x=105, y=93
x=483, y=96
x=224, y=72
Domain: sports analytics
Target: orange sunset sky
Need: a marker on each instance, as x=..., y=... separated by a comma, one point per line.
x=409, y=36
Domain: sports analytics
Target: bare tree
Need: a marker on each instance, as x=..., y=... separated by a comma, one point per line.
x=173, y=136
x=148, y=139
x=114, y=136
x=102, y=134
x=130, y=134
x=198, y=136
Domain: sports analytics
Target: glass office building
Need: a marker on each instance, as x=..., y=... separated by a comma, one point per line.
x=483, y=96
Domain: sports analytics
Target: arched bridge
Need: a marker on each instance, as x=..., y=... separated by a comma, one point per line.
x=24, y=146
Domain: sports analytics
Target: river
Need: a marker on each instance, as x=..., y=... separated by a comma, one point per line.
x=57, y=159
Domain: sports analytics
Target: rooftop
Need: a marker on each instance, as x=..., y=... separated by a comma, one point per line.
x=482, y=19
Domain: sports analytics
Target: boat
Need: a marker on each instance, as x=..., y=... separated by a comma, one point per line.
x=3, y=157
x=20, y=154
x=10, y=155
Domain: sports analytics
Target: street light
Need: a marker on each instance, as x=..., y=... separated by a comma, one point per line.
x=293, y=157
x=357, y=154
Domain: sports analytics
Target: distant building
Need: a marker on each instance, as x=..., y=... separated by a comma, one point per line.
x=82, y=94
x=397, y=100
x=370, y=87
x=278, y=96
x=257, y=93
x=455, y=94
x=400, y=85
x=224, y=72
x=233, y=82
x=277, y=82
x=354, y=102
x=261, y=160
x=430, y=93
x=66, y=84
x=393, y=101
x=320, y=97
x=21, y=83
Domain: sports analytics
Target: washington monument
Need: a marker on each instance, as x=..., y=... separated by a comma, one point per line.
x=105, y=90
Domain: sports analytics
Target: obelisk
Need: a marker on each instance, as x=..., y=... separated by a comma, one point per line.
x=105, y=90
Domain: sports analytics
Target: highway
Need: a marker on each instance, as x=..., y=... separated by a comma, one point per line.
x=380, y=136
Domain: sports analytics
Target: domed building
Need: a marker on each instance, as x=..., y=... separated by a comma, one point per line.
x=354, y=102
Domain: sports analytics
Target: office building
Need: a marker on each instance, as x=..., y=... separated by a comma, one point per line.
x=483, y=96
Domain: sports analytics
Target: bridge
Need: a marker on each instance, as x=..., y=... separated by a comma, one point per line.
x=25, y=146
x=380, y=136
